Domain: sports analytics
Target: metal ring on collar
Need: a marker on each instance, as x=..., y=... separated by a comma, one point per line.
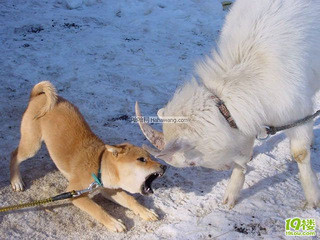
x=267, y=133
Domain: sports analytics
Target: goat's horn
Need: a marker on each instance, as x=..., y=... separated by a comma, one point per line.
x=154, y=136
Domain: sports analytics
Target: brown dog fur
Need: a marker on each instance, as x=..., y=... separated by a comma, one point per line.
x=77, y=153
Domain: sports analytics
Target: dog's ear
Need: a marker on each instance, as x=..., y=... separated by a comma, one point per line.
x=117, y=149
x=114, y=150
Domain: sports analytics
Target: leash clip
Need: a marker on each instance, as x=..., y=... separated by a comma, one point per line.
x=93, y=186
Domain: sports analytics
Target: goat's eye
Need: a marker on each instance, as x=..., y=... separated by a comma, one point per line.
x=141, y=159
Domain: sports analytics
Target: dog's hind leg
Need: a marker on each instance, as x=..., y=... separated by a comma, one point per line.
x=127, y=201
x=29, y=145
x=300, y=141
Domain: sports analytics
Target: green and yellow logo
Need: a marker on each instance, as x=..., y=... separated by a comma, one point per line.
x=300, y=227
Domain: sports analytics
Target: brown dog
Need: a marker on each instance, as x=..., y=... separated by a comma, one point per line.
x=78, y=152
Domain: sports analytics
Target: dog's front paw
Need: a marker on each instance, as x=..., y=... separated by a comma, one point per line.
x=116, y=225
x=147, y=214
x=17, y=185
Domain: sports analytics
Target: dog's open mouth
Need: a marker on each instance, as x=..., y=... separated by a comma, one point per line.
x=146, y=188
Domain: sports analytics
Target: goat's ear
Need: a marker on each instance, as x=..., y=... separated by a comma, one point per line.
x=114, y=150
x=174, y=146
x=151, y=150
x=160, y=113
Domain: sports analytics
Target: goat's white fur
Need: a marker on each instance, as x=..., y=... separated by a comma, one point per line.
x=266, y=69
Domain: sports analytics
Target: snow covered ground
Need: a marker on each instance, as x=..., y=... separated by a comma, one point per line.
x=103, y=56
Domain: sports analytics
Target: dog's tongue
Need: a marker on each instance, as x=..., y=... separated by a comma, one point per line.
x=147, y=189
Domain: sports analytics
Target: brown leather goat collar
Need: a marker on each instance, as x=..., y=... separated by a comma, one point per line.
x=224, y=111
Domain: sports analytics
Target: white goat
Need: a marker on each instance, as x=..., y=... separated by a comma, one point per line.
x=266, y=69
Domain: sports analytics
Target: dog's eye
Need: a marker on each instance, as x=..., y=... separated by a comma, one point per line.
x=141, y=159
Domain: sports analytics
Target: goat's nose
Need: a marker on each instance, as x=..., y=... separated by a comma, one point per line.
x=164, y=168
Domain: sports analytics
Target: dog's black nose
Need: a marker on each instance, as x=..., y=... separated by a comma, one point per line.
x=164, y=168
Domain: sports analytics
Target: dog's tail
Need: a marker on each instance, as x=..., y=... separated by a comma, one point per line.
x=49, y=90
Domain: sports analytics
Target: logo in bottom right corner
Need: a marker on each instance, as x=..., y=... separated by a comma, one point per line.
x=300, y=227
